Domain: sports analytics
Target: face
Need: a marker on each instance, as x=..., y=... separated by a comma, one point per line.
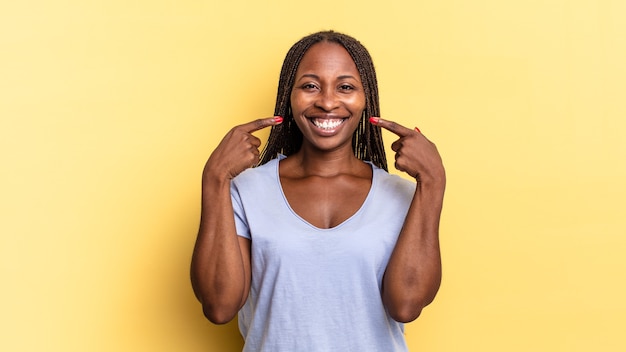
x=327, y=99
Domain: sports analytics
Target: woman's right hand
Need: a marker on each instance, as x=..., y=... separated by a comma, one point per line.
x=238, y=150
x=220, y=267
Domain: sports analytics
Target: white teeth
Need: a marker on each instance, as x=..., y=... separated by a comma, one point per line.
x=327, y=124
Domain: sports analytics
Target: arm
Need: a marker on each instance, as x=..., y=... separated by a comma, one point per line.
x=220, y=266
x=413, y=274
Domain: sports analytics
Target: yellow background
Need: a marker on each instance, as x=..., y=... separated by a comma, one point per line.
x=109, y=110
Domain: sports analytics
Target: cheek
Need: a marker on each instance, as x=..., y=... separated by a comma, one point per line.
x=296, y=103
x=358, y=104
x=296, y=107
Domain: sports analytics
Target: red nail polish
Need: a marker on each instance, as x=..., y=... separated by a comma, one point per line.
x=418, y=130
x=278, y=119
x=374, y=120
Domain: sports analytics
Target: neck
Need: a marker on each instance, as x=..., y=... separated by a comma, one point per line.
x=326, y=163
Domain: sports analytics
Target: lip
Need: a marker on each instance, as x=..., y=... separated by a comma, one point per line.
x=326, y=125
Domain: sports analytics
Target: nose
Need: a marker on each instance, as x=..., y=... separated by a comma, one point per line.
x=327, y=100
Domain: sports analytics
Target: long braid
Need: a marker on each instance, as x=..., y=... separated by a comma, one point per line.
x=286, y=138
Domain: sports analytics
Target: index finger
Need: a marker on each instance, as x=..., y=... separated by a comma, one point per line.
x=260, y=124
x=391, y=126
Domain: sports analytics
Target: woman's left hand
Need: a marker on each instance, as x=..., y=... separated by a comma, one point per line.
x=415, y=154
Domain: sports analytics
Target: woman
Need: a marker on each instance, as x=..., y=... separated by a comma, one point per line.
x=319, y=248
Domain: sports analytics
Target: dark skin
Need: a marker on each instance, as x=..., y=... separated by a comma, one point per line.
x=325, y=201
x=325, y=184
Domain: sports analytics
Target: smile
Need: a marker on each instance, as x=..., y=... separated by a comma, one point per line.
x=327, y=124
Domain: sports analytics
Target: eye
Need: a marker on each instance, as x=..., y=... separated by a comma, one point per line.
x=309, y=86
x=346, y=87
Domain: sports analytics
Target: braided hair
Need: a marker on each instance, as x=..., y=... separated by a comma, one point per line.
x=286, y=138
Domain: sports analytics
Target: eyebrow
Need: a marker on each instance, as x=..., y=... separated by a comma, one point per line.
x=312, y=75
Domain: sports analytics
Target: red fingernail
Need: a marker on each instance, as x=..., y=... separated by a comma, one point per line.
x=278, y=119
x=374, y=120
x=418, y=130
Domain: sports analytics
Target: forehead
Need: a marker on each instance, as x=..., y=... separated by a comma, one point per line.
x=327, y=56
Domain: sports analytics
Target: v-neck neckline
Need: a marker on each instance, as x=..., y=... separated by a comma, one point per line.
x=306, y=222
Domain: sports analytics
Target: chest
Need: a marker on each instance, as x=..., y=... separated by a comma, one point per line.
x=326, y=202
